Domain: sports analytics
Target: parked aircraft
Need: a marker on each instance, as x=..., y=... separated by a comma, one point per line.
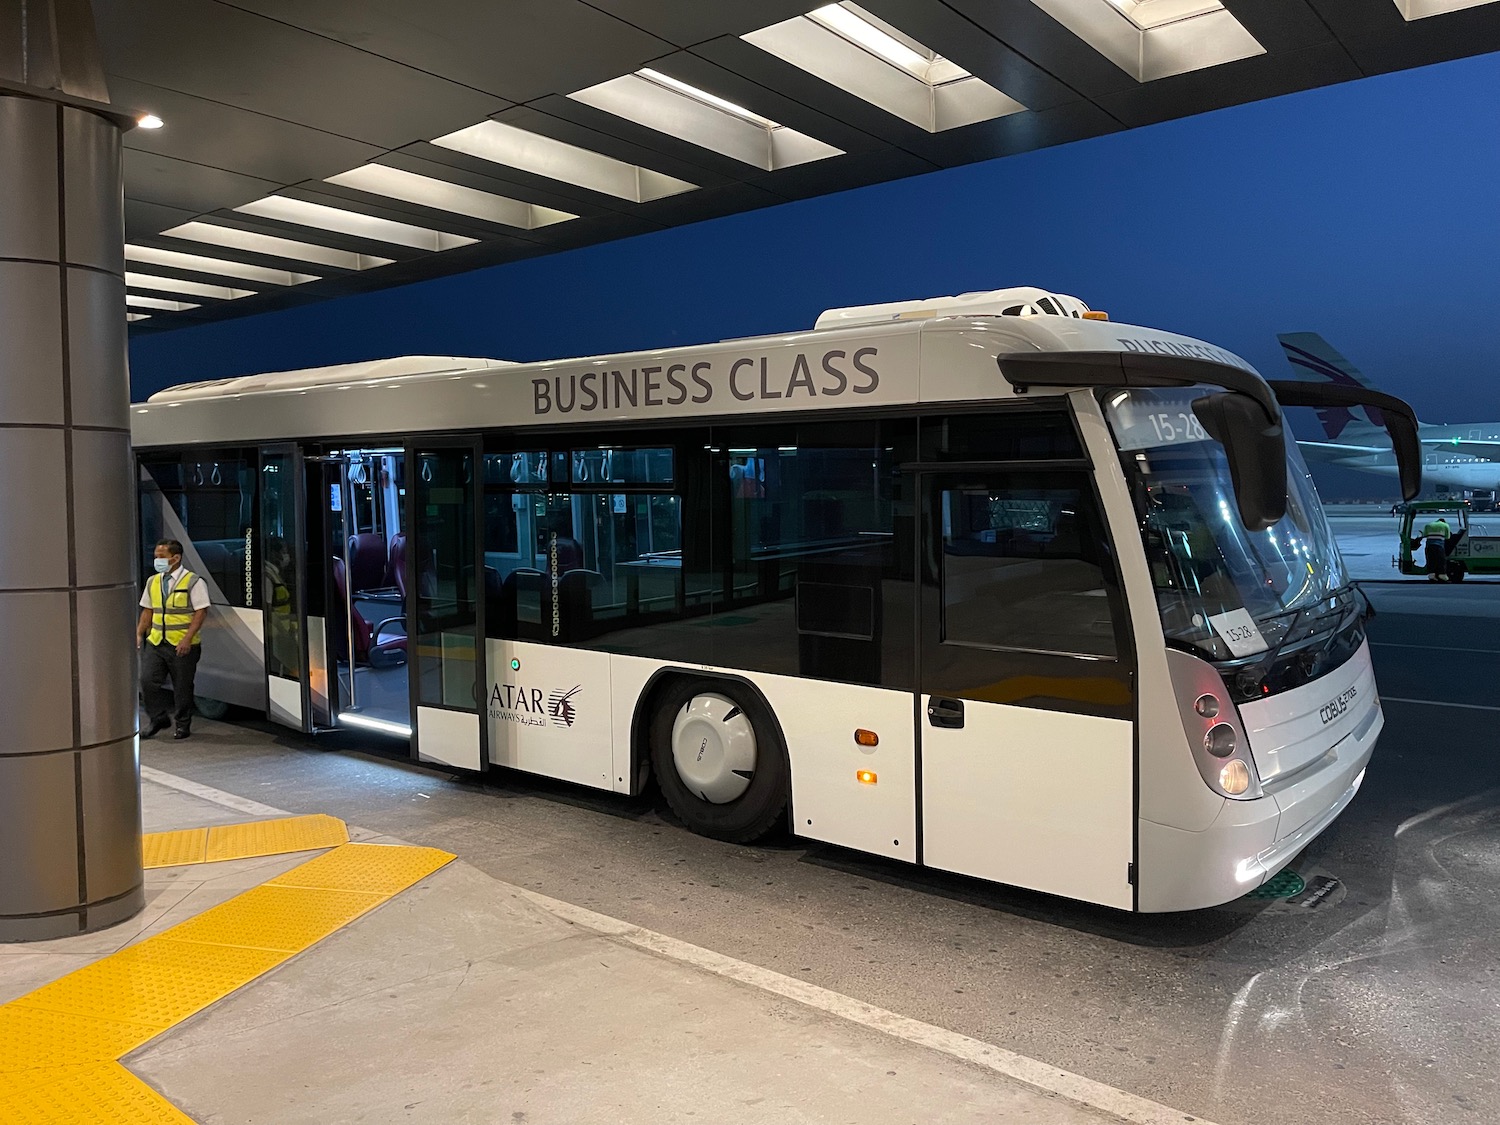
x=1458, y=457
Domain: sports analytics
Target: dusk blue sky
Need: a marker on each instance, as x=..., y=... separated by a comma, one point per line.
x=1367, y=211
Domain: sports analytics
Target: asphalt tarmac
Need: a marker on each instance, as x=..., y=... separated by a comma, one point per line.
x=1372, y=998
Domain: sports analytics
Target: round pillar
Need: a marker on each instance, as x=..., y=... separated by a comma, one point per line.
x=70, y=815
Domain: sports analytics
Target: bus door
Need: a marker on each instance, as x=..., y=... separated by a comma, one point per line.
x=283, y=569
x=1025, y=711
x=445, y=571
x=359, y=651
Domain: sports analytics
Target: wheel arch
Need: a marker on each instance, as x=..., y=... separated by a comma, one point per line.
x=660, y=682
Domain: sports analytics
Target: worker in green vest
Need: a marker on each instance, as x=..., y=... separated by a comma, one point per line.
x=173, y=608
x=1435, y=536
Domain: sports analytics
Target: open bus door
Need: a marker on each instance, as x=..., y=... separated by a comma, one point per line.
x=283, y=569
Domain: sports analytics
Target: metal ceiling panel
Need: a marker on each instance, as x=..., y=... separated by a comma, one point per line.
x=191, y=187
x=510, y=50
x=224, y=136
x=143, y=219
x=1380, y=40
x=213, y=51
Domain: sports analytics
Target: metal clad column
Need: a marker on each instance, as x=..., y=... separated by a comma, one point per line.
x=70, y=820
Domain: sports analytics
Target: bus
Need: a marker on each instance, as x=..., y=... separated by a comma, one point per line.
x=986, y=583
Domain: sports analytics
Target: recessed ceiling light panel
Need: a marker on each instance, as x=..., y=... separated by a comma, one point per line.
x=863, y=55
x=556, y=160
x=273, y=247
x=425, y=191
x=300, y=211
x=137, y=316
x=1421, y=9
x=191, y=288
x=136, y=301
x=1151, y=39
x=669, y=105
x=194, y=263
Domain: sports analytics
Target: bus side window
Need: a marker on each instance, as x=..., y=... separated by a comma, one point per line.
x=1024, y=566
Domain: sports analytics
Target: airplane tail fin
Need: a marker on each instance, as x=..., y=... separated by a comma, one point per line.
x=1314, y=360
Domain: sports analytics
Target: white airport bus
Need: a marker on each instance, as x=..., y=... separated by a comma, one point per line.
x=986, y=583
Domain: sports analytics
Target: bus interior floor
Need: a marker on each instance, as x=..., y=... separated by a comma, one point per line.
x=469, y=999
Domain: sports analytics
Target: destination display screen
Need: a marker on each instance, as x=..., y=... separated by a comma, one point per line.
x=1159, y=417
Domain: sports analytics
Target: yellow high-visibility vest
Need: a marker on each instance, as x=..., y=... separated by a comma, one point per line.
x=171, y=610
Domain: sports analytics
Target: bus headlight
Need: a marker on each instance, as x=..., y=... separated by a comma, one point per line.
x=1220, y=741
x=1234, y=778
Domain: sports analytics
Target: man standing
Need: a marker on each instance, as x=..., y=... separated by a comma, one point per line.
x=172, y=612
x=1435, y=539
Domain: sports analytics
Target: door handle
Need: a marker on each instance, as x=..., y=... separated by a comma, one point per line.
x=945, y=712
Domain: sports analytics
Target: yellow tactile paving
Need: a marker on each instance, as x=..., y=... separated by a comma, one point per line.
x=104, y=1094
x=171, y=849
x=156, y=983
x=59, y=1044
x=274, y=837
x=368, y=868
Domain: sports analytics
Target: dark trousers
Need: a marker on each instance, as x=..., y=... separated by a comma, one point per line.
x=159, y=663
x=1437, y=558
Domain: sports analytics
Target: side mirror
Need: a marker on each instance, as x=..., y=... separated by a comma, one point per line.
x=1256, y=450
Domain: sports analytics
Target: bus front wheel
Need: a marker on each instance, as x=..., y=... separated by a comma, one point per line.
x=718, y=758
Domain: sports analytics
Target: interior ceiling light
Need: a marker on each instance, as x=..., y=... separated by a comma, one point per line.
x=137, y=316
x=191, y=288
x=149, y=121
x=135, y=301
x=863, y=55
x=1151, y=39
x=194, y=263
x=274, y=247
x=1421, y=9
x=425, y=191
x=303, y=213
x=669, y=105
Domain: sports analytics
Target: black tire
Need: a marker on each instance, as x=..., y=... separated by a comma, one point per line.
x=1456, y=572
x=210, y=708
x=756, y=811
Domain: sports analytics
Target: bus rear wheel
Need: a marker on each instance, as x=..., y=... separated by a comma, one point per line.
x=717, y=756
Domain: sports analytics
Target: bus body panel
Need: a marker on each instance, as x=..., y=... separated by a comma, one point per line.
x=232, y=668
x=549, y=711
x=1290, y=731
x=1037, y=799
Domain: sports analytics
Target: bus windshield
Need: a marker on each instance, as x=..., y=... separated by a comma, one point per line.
x=1221, y=589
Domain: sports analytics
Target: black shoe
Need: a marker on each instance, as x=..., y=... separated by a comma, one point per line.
x=181, y=732
x=156, y=728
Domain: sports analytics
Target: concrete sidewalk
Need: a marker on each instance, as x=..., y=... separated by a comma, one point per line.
x=468, y=1000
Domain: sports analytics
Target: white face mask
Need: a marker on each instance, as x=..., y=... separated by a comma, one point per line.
x=163, y=565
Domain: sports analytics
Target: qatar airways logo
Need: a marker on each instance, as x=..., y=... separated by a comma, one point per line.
x=530, y=707
x=795, y=378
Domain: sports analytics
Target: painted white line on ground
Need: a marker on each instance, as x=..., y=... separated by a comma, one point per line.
x=1051, y=1079
x=209, y=793
x=1438, y=703
x=1436, y=648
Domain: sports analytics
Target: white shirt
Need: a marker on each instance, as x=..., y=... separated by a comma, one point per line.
x=197, y=595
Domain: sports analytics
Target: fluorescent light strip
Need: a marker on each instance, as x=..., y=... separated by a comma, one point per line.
x=656, y=101
x=557, y=160
x=191, y=288
x=192, y=262
x=303, y=213
x=854, y=27
x=274, y=247
x=384, y=726
x=136, y=301
x=1152, y=39
x=425, y=191
x=680, y=87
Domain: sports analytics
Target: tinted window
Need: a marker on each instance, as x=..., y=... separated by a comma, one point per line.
x=1004, y=435
x=205, y=499
x=1022, y=568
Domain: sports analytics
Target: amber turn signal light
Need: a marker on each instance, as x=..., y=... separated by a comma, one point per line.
x=864, y=737
x=866, y=777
